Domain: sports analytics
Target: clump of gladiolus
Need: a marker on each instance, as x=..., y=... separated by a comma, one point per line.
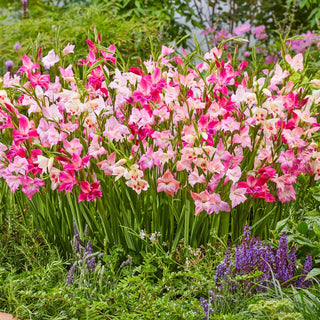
x=212, y=128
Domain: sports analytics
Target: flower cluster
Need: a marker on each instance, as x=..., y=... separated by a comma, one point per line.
x=257, y=34
x=86, y=259
x=258, y=264
x=210, y=128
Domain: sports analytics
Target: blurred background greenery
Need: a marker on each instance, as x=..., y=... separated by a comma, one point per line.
x=132, y=25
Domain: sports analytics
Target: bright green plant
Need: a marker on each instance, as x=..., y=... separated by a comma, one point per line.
x=132, y=31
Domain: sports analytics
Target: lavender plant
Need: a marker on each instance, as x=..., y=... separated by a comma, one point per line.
x=85, y=262
x=256, y=265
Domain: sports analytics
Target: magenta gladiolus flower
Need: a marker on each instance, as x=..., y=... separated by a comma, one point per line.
x=89, y=191
x=26, y=131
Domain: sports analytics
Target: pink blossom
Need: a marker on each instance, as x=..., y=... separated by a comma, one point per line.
x=27, y=65
x=26, y=130
x=74, y=146
x=237, y=195
x=114, y=130
x=168, y=184
x=50, y=59
x=77, y=163
x=19, y=165
x=68, y=180
x=166, y=51
x=244, y=28
x=13, y=181
x=68, y=49
x=296, y=63
x=209, y=202
x=138, y=185
x=109, y=166
x=194, y=178
x=89, y=191
x=234, y=174
x=287, y=193
x=31, y=186
x=67, y=74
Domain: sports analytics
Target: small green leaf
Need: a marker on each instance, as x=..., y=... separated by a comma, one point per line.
x=313, y=273
x=316, y=196
x=303, y=227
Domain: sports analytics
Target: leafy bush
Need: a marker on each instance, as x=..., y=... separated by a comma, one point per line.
x=134, y=31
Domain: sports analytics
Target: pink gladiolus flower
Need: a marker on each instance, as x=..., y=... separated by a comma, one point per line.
x=286, y=194
x=244, y=28
x=234, y=174
x=138, y=185
x=296, y=63
x=13, y=181
x=50, y=59
x=67, y=74
x=26, y=131
x=114, y=130
x=110, y=165
x=27, y=65
x=259, y=32
x=38, y=79
x=237, y=195
x=19, y=165
x=166, y=51
x=194, y=178
x=67, y=180
x=168, y=184
x=31, y=186
x=68, y=49
x=209, y=202
x=77, y=163
x=73, y=147
x=89, y=191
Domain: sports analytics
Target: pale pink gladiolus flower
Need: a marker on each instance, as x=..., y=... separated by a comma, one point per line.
x=44, y=163
x=138, y=185
x=134, y=173
x=19, y=165
x=286, y=194
x=296, y=63
x=237, y=195
x=31, y=186
x=74, y=146
x=110, y=165
x=68, y=49
x=234, y=174
x=168, y=184
x=209, y=202
x=67, y=74
x=244, y=28
x=13, y=182
x=54, y=177
x=114, y=130
x=166, y=51
x=194, y=178
x=50, y=59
